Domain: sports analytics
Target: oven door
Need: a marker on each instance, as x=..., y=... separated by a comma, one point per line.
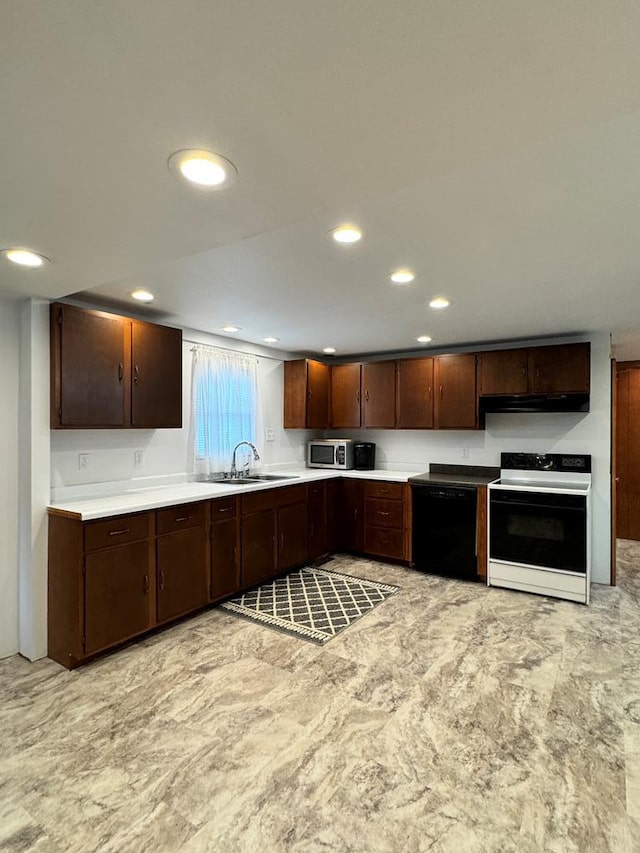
x=538, y=529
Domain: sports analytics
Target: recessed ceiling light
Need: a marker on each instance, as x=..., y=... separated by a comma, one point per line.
x=403, y=276
x=142, y=295
x=25, y=257
x=271, y=340
x=424, y=339
x=203, y=168
x=231, y=329
x=346, y=233
x=329, y=350
x=439, y=302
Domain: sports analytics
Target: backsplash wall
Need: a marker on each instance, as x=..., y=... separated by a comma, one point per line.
x=166, y=451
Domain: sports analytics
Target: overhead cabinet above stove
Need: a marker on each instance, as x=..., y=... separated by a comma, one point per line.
x=535, y=379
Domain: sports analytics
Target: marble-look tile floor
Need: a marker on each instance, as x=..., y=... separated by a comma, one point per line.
x=451, y=718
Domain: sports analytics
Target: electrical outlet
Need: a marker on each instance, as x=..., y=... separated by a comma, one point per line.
x=138, y=458
x=83, y=461
x=270, y=434
x=465, y=452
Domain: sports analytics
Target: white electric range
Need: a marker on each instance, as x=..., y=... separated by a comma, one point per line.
x=540, y=525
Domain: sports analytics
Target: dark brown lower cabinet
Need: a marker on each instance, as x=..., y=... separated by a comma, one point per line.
x=182, y=573
x=225, y=565
x=293, y=547
x=178, y=559
x=351, y=516
x=258, y=547
x=116, y=595
x=318, y=539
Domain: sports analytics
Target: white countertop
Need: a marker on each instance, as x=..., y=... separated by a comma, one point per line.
x=139, y=500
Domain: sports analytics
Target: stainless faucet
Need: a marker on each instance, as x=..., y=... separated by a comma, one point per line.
x=256, y=456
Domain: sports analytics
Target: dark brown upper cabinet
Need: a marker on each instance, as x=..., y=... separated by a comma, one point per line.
x=379, y=395
x=560, y=369
x=345, y=396
x=556, y=369
x=110, y=372
x=503, y=372
x=90, y=368
x=414, y=393
x=156, y=363
x=306, y=394
x=456, y=402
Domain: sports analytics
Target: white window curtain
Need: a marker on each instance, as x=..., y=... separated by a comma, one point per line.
x=225, y=408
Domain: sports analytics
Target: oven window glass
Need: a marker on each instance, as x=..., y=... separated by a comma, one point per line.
x=322, y=454
x=547, y=531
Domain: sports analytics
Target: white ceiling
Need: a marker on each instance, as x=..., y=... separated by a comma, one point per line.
x=493, y=147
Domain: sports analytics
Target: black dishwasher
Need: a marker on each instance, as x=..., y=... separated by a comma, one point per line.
x=444, y=530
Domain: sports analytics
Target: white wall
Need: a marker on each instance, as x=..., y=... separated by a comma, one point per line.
x=542, y=433
x=166, y=451
x=9, y=359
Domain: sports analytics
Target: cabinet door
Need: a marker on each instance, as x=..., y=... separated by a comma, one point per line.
x=503, y=372
x=414, y=401
x=306, y=394
x=379, y=395
x=156, y=399
x=182, y=572
x=90, y=368
x=292, y=536
x=258, y=547
x=562, y=369
x=116, y=595
x=456, y=401
x=345, y=396
x=351, y=517
x=225, y=565
x=317, y=395
x=318, y=543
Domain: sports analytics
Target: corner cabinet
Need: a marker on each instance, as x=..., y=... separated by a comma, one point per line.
x=306, y=394
x=113, y=372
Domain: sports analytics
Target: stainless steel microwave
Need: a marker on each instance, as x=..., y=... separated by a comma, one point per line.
x=330, y=453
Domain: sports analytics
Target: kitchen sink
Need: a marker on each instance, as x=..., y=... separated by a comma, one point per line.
x=252, y=478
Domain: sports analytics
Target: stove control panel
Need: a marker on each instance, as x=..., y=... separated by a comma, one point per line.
x=580, y=463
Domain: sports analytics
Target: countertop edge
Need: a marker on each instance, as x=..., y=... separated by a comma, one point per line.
x=94, y=509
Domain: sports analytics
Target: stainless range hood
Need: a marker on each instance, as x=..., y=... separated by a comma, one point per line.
x=528, y=403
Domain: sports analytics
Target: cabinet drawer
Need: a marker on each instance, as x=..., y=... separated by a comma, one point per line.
x=383, y=513
x=384, y=542
x=179, y=517
x=390, y=491
x=115, y=531
x=224, y=508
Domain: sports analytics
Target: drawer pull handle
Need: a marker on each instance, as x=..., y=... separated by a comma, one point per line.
x=119, y=532
x=183, y=518
x=225, y=509
x=380, y=512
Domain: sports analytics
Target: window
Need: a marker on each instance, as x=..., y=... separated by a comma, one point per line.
x=225, y=407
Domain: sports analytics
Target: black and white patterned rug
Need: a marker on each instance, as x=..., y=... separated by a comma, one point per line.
x=312, y=603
